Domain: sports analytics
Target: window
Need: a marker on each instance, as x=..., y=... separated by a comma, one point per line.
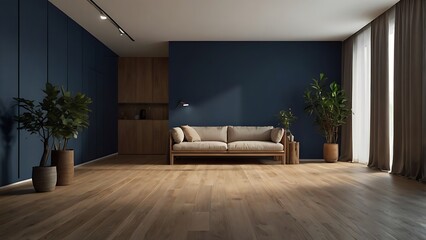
x=361, y=96
x=391, y=50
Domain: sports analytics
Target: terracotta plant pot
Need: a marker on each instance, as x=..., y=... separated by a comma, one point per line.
x=331, y=152
x=64, y=162
x=44, y=178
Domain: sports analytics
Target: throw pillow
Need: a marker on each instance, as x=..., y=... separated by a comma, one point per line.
x=190, y=134
x=277, y=134
x=177, y=135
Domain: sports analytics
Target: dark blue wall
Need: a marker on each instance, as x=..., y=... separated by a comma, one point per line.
x=8, y=89
x=248, y=83
x=39, y=43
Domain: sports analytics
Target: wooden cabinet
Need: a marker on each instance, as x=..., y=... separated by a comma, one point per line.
x=160, y=83
x=160, y=133
x=134, y=80
x=143, y=80
x=142, y=137
x=127, y=136
x=143, y=86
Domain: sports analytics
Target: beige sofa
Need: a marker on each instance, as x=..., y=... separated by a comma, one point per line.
x=227, y=141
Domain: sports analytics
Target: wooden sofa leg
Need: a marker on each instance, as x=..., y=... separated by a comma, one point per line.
x=283, y=159
x=171, y=159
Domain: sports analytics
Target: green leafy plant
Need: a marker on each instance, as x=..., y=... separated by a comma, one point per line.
x=59, y=116
x=329, y=106
x=40, y=117
x=286, y=118
x=73, y=117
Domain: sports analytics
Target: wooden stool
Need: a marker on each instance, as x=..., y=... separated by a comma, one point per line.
x=292, y=153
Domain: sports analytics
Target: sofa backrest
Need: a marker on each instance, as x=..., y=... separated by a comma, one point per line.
x=218, y=133
x=243, y=133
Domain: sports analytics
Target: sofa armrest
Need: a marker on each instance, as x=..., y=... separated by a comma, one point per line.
x=284, y=139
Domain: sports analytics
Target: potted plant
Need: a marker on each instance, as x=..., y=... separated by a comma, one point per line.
x=329, y=106
x=73, y=117
x=287, y=118
x=39, y=118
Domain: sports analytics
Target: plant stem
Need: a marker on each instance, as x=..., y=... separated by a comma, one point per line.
x=45, y=156
x=65, y=144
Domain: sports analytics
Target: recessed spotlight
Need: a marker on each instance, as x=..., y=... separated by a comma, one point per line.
x=104, y=16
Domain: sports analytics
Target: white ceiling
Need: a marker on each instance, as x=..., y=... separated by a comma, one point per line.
x=152, y=23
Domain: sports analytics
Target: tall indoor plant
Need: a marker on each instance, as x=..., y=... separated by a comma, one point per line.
x=73, y=117
x=329, y=106
x=39, y=118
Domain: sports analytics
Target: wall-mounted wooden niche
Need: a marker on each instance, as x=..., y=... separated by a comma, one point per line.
x=143, y=111
x=143, y=85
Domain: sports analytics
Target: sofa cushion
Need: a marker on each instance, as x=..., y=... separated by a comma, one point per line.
x=177, y=135
x=249, y=133
x=190, y=134
x=277, y=134
x=201, y=146
x=255, y=146
x=212, y=133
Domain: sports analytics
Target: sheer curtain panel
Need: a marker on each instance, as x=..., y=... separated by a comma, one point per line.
x=361, y=91
x=391, y=58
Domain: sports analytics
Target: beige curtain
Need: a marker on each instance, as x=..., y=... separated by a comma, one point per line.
x=424, y=96
x=379, y=120
x=346, y=138
x=409, y=157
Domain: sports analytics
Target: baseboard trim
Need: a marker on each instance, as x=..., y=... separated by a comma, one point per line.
x=95, y=160
x=76, y=166
x=14, y=184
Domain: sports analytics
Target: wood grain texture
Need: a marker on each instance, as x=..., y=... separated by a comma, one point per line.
x=160, y=80
x=160, y=133
x=158, y=112
x=153, y=111
x=143, y=137
x=143, y=80
x=127, y=136
x=143, y=84
x=141, y=197
x=293, y=152
x=126, y=80
x=135, y=80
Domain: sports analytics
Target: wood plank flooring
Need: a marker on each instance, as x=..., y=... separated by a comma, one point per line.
x=133, y=197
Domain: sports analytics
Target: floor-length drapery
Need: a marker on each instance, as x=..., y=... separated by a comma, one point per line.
x=379, y=116
x=346, y=137
x=424, y=96
x=361, y=92
x=409, y=93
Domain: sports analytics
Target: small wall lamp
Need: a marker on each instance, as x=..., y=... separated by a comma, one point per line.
x=183, y=104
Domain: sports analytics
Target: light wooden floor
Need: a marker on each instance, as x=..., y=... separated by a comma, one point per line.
x=136, y=198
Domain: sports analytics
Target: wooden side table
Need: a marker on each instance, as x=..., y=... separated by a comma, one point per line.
x=292, y=153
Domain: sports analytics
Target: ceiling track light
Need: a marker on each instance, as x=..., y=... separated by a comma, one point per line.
x=104, y=16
